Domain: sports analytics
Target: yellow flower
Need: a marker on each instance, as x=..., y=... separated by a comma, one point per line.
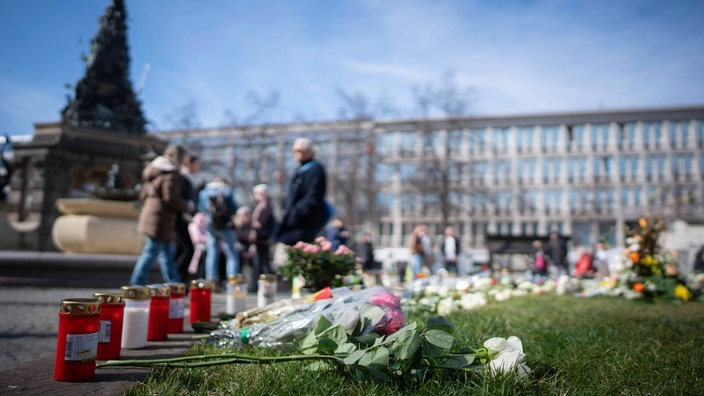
x=643, y=222
x=683, y=293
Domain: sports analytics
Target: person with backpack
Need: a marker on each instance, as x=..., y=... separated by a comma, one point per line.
x=540, y=263
x=217, y=202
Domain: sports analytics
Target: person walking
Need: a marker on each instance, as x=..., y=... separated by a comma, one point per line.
x=450, y=250
x=189, y=192
x=161, y=205
x=218, y=204
x=337, y=234
x=245, y=248
x=556, y=250
x=263, y=225
x=418, y=245
x=305, y=211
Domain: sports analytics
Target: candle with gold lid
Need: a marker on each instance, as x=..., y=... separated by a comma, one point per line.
x=77, y=340
x=136, y=319
x=201, y=298
x=112, y=310
x=177, y=305
x=158, y=312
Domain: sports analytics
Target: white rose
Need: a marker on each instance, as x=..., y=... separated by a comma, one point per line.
x=509, y=355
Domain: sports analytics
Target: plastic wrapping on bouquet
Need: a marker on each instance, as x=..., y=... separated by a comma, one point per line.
x=77, y=340
x=236, y=294
x=136, y=320
x=158, y=312
x=201, y=299
x=112, y=311
x=177, y=304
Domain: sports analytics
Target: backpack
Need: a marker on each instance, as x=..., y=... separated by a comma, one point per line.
x=539, y=261
x=220, y=212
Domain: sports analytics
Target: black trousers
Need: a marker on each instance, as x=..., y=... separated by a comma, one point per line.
x=260, y=265
x=184, y=248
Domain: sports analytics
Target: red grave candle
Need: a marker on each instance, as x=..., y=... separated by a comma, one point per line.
x=201, y=297
x=77, y=340
x=177, y=304
x=112, y=311
x=158, y=312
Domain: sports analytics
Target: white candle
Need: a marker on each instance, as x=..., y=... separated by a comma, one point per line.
x=135, y=327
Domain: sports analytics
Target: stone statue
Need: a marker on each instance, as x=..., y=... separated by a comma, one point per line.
x=104, y=98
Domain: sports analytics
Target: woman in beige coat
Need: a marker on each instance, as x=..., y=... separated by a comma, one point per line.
x=161, y=204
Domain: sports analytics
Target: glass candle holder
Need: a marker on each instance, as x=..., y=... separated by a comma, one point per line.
x=77, y=340
x=236, y=300
x=112, y=311
x=266, y=290
x=201, y=298
x=158, y=328
x=136, y=319
x=177, y=303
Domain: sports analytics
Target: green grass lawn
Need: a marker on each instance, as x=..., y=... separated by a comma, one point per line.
x=574, y=346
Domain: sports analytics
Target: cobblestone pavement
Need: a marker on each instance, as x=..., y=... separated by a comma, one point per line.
x=29, y=321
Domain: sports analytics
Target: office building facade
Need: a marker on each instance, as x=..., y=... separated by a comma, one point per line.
x=588, y=174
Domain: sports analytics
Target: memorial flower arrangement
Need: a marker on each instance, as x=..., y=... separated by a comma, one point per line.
x=649, y=270
x=318, y=264
x=362, y=334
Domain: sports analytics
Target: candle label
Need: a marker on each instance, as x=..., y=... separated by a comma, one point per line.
x=81, y=347
x=176, y=307
x=105, y=327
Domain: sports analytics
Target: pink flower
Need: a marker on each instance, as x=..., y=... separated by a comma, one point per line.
x=311, y=249
x=342, y=249
x=385, y=299
x=325, y=245
x=320, y=239
x=393, y=320
x=300, y=245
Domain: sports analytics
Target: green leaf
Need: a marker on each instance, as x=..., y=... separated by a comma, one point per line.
x=372, y=313
x=378, y=356
x=326, y=346
x=354, y=357
x=323, y=324
x=439, y=338
x=403, y=330
x=406, y=344
x=308, y=344
x=440, y=323
x=460, y=361
x=346, y=348
x=335, y=333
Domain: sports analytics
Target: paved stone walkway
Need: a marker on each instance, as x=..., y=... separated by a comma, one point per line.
x=28, y=331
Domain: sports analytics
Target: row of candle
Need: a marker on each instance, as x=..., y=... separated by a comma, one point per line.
x=97, y=328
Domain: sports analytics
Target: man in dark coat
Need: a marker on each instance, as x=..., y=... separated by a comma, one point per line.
x=305, y=211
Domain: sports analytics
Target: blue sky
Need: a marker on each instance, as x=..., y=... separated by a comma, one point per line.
x=516, y=56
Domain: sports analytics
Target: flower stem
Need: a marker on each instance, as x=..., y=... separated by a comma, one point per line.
x=213, y=360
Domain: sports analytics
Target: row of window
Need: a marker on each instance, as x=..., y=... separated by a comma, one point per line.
x=575, y=168
x=574, y=200
x=546, y=139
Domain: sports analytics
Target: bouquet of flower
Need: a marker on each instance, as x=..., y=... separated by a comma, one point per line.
x=375, y=309
x=651, y=271
x=318, y=264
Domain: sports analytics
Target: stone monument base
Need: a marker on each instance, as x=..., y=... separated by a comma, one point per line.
x=97, y=226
